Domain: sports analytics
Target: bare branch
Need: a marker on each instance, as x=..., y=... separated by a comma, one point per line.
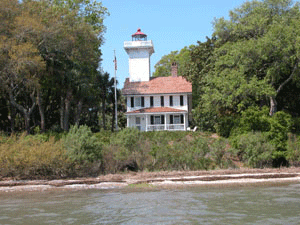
x=287, y=80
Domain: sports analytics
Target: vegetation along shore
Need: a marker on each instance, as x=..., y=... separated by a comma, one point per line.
x=81, y=153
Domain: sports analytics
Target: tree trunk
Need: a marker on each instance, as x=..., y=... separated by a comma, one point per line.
x=41, y=111
x=62, y=113
x=27, y=121
x=67, y=109
x=12, y=117
x=103, y=113
x=78, y=111
x=273, y=103
x=26, y=112
x=273, y=106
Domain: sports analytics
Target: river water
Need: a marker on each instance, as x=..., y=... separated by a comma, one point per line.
x=264, y=204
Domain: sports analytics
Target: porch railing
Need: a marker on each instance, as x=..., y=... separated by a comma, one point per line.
x=156, y=127
x=159, y=127
x=175, y=126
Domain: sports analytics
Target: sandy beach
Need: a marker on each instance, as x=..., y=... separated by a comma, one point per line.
x=161, y=179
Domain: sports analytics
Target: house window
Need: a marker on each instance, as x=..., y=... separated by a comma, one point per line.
x=181, y=100
x=137, y=120
x=176, y=119
x=158, y=119
x=171, y=119
x=162, y=103
x=142, y=102
x=151, y=101
x=171, y=100
x=139, y=101
x=132, y=102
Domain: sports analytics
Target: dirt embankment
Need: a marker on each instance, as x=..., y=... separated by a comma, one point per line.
x=159, y=179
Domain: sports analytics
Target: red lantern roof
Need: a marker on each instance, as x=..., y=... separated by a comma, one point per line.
x=139, y=36
x=139, y=32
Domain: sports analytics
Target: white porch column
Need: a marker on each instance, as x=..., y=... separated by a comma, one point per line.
x=184, y=121
x=165, y=121
x=146, y=123
x=127, y=120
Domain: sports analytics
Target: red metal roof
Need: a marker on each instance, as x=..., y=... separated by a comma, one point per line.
x=156, y=110
x=139, y=32
x=158, y=85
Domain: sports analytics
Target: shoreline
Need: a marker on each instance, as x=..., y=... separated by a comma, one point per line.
x=158, y=179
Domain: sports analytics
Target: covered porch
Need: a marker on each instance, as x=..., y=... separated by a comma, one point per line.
x=158, y=121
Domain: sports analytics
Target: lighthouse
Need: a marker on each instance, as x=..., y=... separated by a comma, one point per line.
x=139, y=50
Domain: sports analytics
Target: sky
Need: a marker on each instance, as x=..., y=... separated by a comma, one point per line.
x=170, y=24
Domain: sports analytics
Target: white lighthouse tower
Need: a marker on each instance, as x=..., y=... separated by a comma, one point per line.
x=139, y=51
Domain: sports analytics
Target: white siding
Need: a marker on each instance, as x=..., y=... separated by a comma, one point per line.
x=157, y=103
x=139, y=65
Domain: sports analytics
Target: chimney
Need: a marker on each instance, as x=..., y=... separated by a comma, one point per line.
x=174, y=69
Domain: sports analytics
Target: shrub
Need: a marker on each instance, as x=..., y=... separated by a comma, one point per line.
x=254, y=149
x=253, y=119
x=218, y=150
x=225, y=125
x=127, y=150
x=293, y=149
x=27, y=157
x=280, y=125
x=81, y=145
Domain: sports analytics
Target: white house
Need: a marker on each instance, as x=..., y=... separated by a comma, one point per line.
x=154, y=103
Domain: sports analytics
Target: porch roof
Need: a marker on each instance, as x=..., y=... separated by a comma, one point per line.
x=156, y=110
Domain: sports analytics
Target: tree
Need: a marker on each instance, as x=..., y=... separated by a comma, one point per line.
x=182, y=58
x=23, y=64
x=50, y=51
x=104, y=85
x=260, y=42
x=252, y=60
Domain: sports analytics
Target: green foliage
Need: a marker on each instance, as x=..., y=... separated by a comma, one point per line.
x=28, y=157
x=219, y=154
x=275, y=127
x=254, y=149
x=252, y=60
x=182, y=58
x=280, y=127
x=253, y=119
x=128, y=138
x=81, y=145
x=225, y=124
x=293, y=149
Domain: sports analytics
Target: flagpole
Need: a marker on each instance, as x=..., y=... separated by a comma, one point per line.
x=116, y=102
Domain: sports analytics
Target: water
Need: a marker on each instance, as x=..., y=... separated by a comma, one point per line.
x=189, y=205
